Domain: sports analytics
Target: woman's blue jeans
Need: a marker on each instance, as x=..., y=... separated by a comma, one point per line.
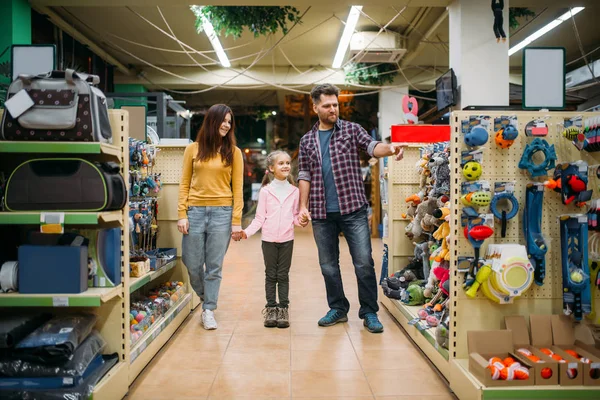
x=204, y=249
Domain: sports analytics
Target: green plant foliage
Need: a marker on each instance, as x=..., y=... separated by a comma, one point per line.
x=518, y=12
x=258, y=20
x=371, y=74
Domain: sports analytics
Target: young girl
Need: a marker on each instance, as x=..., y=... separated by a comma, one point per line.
x=210, y=204
x=276, y=214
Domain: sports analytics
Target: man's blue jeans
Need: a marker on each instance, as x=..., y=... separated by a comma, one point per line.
x=355, y=227
x=205, y=244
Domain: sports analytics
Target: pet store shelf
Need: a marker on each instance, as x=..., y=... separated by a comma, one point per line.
x=155, y=338
x=136, y=283
x=59, y=148
x=113, y=385
x=93, y=297
x=424, y=338
x=466, y=386
x=71, y=218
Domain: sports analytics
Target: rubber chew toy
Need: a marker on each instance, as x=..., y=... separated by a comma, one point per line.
x=476, y=233
x=505, y=137
x=478, y=136
x=570, y=180
x=482, y=276
x=527, y=159
x=532, y=228
x=503, y=215
x=472, y=170
x=480, y=199
x=575, y=269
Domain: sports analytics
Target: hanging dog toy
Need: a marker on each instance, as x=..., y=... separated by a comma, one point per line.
x=506, y=136
x=577, y=297
x=476, y=233
x=479, y=199
x=504, y=215
x=477, y=136
x=532, y=228
x=472, y=171
x=527, y=159
x=570, y=180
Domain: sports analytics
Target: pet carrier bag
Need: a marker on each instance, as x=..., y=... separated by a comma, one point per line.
x=66, y=107
x=65, y=184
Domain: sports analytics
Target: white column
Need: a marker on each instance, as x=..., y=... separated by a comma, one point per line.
x=390, y=110
x=479, y=62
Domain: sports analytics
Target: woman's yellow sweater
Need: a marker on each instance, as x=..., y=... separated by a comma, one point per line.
x=211, y=183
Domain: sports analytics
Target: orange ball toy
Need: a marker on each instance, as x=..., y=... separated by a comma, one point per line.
x=547, y=352
x=508, y=361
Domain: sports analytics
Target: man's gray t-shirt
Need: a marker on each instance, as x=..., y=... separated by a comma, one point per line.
x=331, y=196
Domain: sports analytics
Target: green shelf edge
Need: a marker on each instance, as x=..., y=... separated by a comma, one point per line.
x=443, y=352
x=541, y=394
x=31, y=301
x=149, y=278
x=9, y=218
x=51, y=147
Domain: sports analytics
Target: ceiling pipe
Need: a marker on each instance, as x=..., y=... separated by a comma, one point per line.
x=68, y=28
x=417, y=21
x=412, y=54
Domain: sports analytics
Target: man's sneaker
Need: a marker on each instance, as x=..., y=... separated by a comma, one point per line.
x=371, y=322
x=208, y=320
x=332, y=318
x=283, y=318
x=270, y=314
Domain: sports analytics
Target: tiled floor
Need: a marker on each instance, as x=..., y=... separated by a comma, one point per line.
x=244, y=360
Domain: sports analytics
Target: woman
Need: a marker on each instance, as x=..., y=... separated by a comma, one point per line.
x=211, y=181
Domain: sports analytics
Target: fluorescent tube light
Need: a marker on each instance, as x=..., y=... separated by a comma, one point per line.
x=541, y=32
x=212, y=36
x=346, y=36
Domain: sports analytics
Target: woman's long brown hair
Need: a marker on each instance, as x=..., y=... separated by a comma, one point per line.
x=210, y=142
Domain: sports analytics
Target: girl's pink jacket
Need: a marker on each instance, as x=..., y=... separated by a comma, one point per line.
x=276, y=218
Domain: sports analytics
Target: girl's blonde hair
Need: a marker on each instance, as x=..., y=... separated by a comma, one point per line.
x=271, y=159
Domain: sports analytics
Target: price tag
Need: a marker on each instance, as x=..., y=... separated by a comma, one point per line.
x=572, y=365
x=414, y=321
x=595, y=365
x=582, y=219
x=52, y=222
x=67, y=381
x=60, y=301
x=420, y=327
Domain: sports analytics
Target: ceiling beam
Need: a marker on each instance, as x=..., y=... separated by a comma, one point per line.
x=68, y=28
x=295, y=3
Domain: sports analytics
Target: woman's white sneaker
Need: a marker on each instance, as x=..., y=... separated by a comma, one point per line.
x=208, y=320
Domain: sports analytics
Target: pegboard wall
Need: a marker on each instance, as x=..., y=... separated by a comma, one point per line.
x=170, y=163
x=403, y=181
x=501, y=165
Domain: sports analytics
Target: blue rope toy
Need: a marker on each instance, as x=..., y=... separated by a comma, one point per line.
x=527, y=159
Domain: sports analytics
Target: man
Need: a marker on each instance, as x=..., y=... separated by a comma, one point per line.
x=330, y=182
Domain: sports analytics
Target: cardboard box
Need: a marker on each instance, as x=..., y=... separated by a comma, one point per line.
x=541, y=337
x=563, y=336
x=483, y=345
x=520, y=337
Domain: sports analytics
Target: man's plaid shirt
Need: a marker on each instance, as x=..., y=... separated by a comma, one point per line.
x=346, y=141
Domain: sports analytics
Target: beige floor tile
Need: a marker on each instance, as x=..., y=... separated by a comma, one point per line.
x=312, y=328
x=410, y=382
x=321, y=342
x=252, y=343
x=272, y=360
x=387, y=340
x=336, y=398
x=193, y=327
x=392, y=359
x=317, y=360
x=418, y=397
x=217, y=343
x=252, y=384
x=174, y=383
x=256, y=327
x=333, y=383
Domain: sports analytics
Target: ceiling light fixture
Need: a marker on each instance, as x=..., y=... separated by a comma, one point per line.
x=212, y=36
x=346, y=36
x=541, y=32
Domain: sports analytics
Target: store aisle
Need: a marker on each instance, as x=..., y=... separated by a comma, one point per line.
x=244, y=360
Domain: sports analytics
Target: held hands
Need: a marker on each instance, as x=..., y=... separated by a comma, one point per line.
x=239, y=235
x=183, y=225
x=303, y=217
x=397, y=151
